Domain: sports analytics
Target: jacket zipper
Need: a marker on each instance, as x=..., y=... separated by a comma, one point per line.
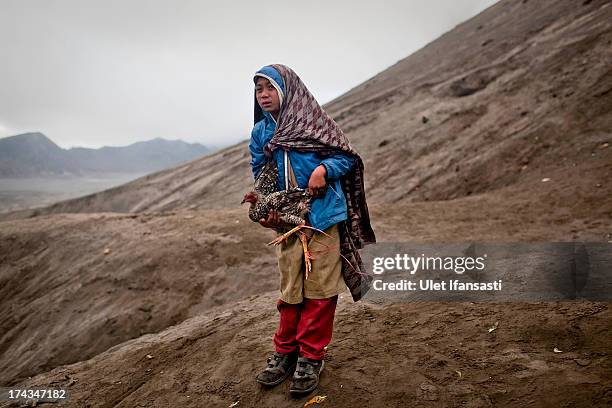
x=286, y=177
x=334, y=190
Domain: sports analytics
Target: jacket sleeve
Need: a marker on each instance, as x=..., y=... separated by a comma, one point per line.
x=338, y=165
x=258, y=159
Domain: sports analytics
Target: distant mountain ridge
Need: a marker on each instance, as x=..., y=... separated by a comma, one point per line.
x=34, y=154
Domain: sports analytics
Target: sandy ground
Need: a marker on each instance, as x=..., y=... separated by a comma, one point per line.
x=382, y=356
x=418, y=353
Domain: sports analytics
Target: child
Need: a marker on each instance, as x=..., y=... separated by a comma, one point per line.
x=311, y=152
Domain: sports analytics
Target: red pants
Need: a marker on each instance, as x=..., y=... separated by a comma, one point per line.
x=307, y=325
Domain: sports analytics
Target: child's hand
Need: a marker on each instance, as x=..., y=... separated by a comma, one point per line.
x=273, y=221
x=317, y=183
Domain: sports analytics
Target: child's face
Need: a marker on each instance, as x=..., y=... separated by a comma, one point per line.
x=266, y=95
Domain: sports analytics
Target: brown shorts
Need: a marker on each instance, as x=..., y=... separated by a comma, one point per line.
x=324, y=280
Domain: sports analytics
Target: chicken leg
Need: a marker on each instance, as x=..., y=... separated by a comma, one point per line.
x=304, y=239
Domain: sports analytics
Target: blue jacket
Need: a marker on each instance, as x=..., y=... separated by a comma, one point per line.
x=324, y=211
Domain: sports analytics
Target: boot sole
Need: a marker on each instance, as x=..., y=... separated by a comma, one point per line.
x=312, y=388
x=280, y=380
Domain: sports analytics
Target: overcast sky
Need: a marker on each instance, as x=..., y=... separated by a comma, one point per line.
x=112, y=72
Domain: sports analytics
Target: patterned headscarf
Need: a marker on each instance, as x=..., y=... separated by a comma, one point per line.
x=304, y=126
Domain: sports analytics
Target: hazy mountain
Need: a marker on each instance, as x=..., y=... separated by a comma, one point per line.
x=34, y=154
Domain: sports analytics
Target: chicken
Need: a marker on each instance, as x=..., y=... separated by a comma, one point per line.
x=292, y=204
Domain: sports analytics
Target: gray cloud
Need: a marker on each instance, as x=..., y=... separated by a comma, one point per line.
x=94, y=73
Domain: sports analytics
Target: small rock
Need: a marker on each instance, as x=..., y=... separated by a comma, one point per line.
x=106, y=251
x=583, y=362
x=493, y=328
x=427, y=392
x=545, y=180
